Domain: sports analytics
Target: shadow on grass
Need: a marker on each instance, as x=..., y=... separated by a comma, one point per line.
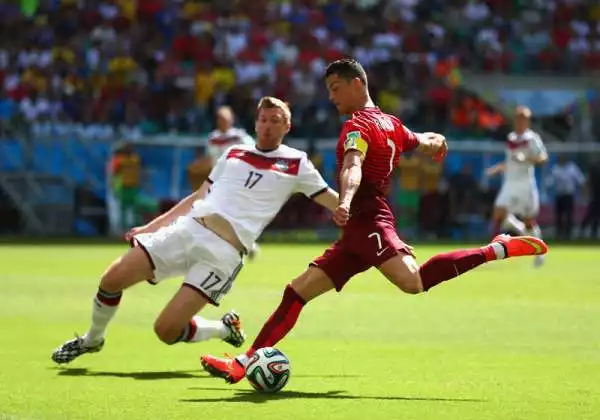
x=151, y=376
x=142, y=376
x=249, y=396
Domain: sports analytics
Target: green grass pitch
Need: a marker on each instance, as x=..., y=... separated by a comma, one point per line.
x=506, y=341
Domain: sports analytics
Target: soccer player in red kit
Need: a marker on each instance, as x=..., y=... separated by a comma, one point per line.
x=368, y=150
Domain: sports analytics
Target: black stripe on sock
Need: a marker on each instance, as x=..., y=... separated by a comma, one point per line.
x=109, y=298
x=505, y=249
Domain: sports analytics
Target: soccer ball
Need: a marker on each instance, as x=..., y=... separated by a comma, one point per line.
x=268, y=370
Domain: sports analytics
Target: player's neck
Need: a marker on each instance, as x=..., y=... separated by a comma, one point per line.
x=265, y=149
x=367, y=103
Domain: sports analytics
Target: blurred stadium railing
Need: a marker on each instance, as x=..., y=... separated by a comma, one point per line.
x=59, y=185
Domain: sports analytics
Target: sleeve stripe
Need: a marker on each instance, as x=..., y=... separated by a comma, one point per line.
x=321, y=191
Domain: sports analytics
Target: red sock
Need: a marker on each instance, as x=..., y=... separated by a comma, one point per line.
x=444, y=267
x=281, y=321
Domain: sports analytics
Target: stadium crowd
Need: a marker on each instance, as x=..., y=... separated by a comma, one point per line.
x=127, y=67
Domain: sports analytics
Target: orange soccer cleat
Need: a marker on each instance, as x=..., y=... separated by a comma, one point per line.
x=520, y=246
x=229, y=369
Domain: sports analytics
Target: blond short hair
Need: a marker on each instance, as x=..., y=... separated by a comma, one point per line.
x=523, y=111
x=226, y=112
x=270, y=102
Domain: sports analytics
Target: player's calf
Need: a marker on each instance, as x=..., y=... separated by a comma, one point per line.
x=133, y=267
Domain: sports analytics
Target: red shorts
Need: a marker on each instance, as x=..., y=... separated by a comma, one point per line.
x=364, y=244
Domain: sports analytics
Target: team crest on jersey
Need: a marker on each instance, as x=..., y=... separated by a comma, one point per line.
x=282, y=165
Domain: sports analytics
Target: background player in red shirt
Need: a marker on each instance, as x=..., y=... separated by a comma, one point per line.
x=368, y=150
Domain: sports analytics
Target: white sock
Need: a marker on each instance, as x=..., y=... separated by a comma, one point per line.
x=535, y=231
x=511, y=222
x=207, y=329
x=104, y=308
x=499, y=250
x=243, y=359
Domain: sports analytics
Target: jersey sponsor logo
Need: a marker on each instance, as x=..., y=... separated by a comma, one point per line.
x=289, y=166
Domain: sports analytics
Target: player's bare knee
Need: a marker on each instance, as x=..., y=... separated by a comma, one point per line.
x=411, y=283
x=166, y=331
x=403, y=272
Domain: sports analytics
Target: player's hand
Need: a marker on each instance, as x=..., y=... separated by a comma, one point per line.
x=136, y=231
x=341, y=215
x=491, y=171
x=520, y=157
x=442, y=148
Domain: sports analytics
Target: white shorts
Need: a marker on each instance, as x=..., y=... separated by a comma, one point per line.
x=521, y=199
x=208, y=263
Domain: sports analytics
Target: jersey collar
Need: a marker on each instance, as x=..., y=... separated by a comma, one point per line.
x=265, y=150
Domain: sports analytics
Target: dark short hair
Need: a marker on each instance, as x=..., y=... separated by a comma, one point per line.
x=347, y=69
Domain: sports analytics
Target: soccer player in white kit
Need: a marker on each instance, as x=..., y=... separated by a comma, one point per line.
x=519, y=194
x=205, y=236
x=222, y=138
x=226, y=135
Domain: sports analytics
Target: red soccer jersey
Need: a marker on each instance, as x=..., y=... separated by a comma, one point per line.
x=382, y=138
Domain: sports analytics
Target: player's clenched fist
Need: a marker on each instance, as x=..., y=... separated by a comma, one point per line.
x=341, y=215
x=440, y=145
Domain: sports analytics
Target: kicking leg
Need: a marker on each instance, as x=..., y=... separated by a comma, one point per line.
x=311, y=284
x=133, y=267
x=403, y=271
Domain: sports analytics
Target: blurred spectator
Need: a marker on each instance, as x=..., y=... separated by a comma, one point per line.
x=463, y=191
x=566, y=177
x=178, y=61
x=199, y=169
x=126, y=168
x=592, y=215
x=430, y=205
x=409, y=195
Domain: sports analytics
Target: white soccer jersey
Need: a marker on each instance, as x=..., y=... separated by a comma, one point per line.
x=219, y=141
x=250, y=186
x=530, y=144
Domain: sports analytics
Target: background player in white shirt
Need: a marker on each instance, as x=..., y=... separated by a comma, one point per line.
x=226, y=135
x=519, y=194
x=222, y=138
x=204, y=237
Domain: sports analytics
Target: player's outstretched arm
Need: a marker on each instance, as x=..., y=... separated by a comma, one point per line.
x=538, y=159
x=433, y=144
x=329, y=199
x=180, y=209
x=496, y=169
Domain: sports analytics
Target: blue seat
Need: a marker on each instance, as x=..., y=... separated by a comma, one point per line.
x=11, y=155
